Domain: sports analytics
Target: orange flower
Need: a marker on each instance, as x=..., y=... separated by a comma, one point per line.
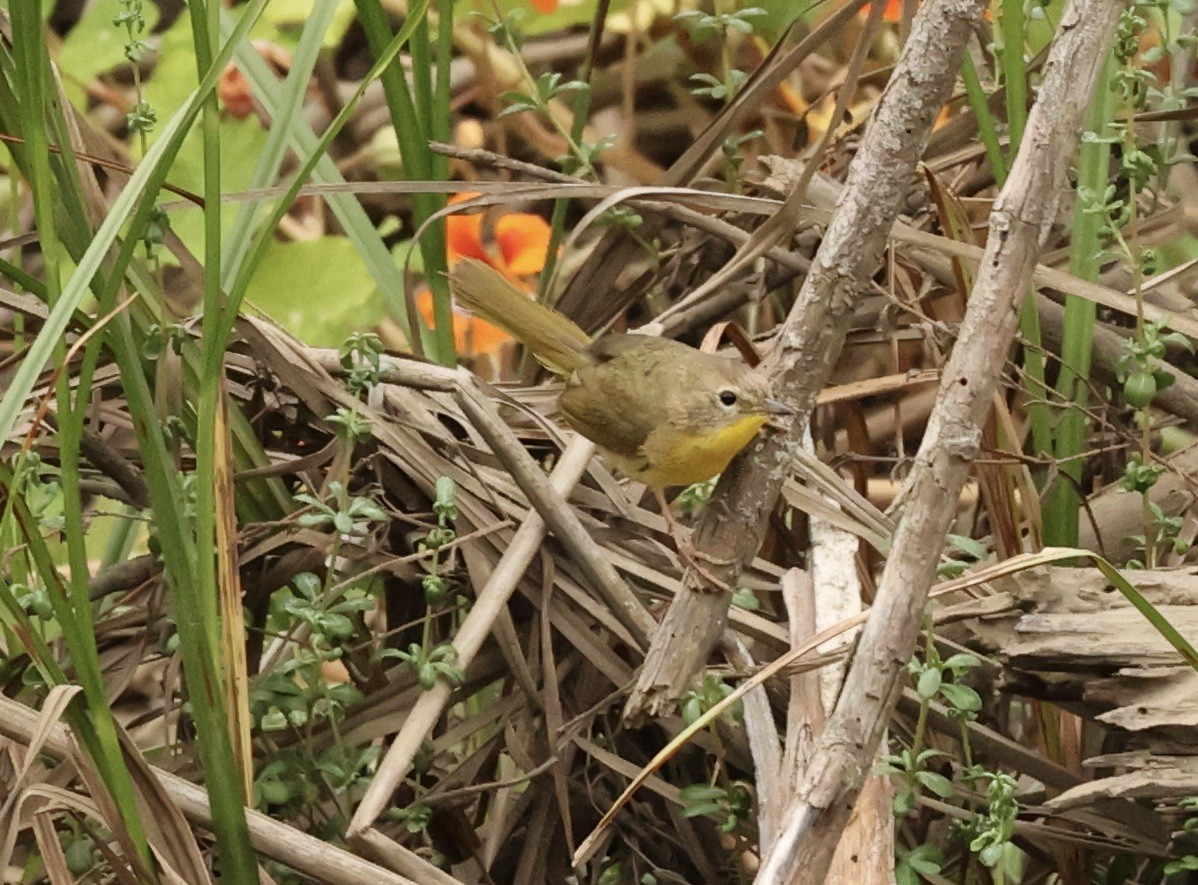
x=545, y=6
x=234, y=90
x=892, y=12
x=521, y=244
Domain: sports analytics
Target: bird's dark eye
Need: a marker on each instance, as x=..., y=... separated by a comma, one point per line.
x=727, y=397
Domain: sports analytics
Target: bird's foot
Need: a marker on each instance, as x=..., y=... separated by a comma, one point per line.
x=691, y=555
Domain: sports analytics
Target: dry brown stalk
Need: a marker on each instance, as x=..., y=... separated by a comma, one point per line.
x=428, y=708
x=307, y=854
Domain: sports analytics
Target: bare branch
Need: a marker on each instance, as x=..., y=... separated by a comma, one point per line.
x=1019, y=226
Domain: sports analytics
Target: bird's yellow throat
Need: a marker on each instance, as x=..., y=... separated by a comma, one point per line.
x=681, y=456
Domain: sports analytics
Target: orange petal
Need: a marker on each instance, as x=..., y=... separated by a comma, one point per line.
x=464, y=238
x=475, y=337
x=791, y=99
x=892, y=11
x=545, y=6
x=523, y=240
x=464, y=233
x=334, y=673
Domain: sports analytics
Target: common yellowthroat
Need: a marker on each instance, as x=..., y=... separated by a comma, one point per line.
x=661, y=411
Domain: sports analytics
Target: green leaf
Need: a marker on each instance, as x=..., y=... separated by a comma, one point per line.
x=924, y=859
x=368, y=509
x=969, y=546
x=337, y=626
x=445, y=490
x=991, y=854
x=306, y=584
x=936, y=783
x=962, y=697
x=925, y=755
x=929, y=683
x=961, y=661
x=746, y=599
x=698, y=792
x=318, y=290
x=426, y=675
x=701, y=809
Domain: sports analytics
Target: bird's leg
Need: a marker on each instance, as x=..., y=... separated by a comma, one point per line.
x=687, y=549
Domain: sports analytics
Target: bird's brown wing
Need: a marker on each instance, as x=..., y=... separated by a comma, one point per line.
x=617, y=401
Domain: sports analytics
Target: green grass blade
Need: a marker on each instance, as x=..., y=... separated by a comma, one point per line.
x=418, y=164
x=262, y=237
x=284, y=110
x=1061, y=506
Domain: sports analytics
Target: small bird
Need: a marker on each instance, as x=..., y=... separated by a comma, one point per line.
x=660, y=411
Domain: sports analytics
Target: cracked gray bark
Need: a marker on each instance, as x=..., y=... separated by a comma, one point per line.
x=1020, y=223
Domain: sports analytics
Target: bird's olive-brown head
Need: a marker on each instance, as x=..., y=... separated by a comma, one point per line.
x=719, y=392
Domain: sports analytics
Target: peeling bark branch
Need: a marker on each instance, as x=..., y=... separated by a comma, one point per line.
x=850, y=253
x=1019, y=226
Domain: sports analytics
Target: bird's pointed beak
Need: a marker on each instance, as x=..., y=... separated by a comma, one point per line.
x=778, y=412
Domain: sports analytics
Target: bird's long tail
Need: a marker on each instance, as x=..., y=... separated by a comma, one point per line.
x=554, y=340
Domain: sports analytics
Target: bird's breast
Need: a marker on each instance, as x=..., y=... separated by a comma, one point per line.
x=677, y=456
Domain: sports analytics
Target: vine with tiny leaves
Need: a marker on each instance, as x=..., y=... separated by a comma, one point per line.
x=728, y=25
x=983, y=824
x=316, y=622
x=1143, y=162
x=727, y=800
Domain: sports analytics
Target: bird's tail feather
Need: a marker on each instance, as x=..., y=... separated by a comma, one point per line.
x=555, y=340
